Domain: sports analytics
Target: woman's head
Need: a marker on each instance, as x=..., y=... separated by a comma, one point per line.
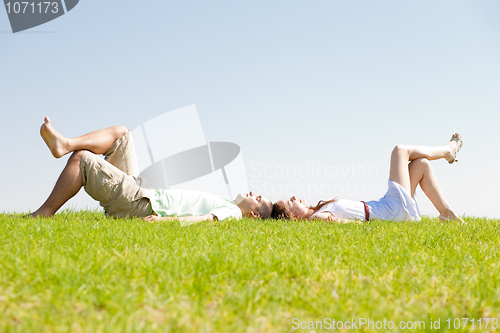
x=293, y=208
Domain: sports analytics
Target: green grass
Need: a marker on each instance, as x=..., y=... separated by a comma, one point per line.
x=82, y=272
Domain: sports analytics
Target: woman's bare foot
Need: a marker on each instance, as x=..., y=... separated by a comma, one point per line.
x=454, y=146
x=57, y=143
x=451, y=216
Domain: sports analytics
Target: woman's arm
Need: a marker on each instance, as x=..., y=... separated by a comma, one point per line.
x=154, y=218
x=327, y=216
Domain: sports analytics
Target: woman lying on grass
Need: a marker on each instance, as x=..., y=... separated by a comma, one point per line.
x=397, y=204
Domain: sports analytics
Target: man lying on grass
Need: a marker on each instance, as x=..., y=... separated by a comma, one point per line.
x=112, y=182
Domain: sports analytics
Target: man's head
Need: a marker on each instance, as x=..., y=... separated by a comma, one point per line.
x=253, y=205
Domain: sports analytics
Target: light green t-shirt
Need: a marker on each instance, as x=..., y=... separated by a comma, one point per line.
x=192, y=203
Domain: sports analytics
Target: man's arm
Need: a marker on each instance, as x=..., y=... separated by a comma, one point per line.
x=206, y=217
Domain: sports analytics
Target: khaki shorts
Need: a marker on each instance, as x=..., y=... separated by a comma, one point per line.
x=115, y=189
x=122, y=155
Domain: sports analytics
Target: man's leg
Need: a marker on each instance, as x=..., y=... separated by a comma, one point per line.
x=122, y=155
x=67, y=186
x=116, y=192
x=97, y=142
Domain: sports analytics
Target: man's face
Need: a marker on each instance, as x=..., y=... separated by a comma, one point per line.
x=250, y=203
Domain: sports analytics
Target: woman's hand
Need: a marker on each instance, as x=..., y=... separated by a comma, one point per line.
x=329, y=217
x=343, y=221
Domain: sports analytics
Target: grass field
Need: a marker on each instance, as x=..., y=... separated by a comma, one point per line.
x=82, y=272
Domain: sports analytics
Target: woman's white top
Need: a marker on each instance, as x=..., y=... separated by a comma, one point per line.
x=344, y=209
x=397, y=205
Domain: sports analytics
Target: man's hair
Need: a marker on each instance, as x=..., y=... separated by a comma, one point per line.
x=265, y=210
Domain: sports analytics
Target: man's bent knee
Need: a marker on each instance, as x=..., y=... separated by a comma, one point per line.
x=76, y=156
x=120, y=130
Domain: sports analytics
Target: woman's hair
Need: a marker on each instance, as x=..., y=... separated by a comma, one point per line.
x=321, y=203
x=281, y=212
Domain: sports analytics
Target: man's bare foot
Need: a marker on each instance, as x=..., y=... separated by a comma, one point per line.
x=57, y=143
x=454, y=146
x=36, y=214
x=32, y=215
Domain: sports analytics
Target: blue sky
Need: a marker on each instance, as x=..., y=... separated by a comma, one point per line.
x=299, y=85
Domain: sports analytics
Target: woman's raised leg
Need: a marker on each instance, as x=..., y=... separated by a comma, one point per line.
x=402, y=154
x=97, y=142
x=421, y=172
